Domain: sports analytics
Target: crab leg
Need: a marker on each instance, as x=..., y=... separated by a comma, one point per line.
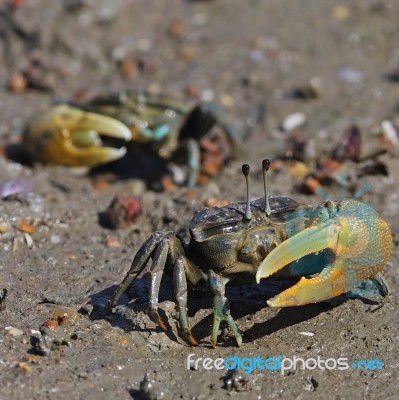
x=221, y=308
x=362, y=245
x=145, y=252
x=169, y=246
x=184, y=269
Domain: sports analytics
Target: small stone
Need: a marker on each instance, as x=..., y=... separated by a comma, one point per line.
x=122, y=211
x=11, y=331
x=293, y=121
x=199, y=19
x=350, y=75
x=28, y=240
x=26, y=227
x=192, y=91
x=208, y=95
x=175, y=28
x=51, y=324
x=4, y=227
x=226, y=100
x=390, y=133
x=306, y=333
x=17, y=83
x=310, y=384
x=24, y=367
x=214, y=202
x=186, y=53
x=112, y=243
x=55, y=239
x=340, y=12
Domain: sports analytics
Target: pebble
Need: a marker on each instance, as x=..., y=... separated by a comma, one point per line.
x=293, y=121
x=350, y=75
x=17, y=83
x=306, y=333
x=207, y=95
x=390, y=133
x=28, y=240
x=51, y=324
x=199, y=19
x=4, y=227
x=55, y=239
x=340, y=12
x=11, y=331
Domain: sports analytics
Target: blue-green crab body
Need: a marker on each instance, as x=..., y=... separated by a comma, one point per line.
x=333, y=248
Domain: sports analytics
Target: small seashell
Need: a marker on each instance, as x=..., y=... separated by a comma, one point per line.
x=66, y=316
x=306, y=333
x=293, y=121
x=390, y=133
x=11, y=331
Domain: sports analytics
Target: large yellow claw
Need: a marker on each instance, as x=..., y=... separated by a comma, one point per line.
x=360, y=241
x=66, y=135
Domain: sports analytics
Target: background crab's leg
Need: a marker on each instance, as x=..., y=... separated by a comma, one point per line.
x=170, y=246
x=139, y=262
x=183, y=269
x=194, y=162
x=221, y=308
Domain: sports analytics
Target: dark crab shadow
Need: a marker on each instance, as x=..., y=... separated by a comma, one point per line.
x=245, y=301
x=144, y=165
x=139, y=163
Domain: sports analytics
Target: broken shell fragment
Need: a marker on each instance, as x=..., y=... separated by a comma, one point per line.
x=293, y=121
x=66, y=316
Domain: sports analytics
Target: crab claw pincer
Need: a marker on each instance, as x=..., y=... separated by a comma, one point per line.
x=66, y=135
x=360, y=243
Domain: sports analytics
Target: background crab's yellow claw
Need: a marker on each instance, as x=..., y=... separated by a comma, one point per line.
x=310, y=240
x=74, y=119
x=66, y=153
x=69, y=136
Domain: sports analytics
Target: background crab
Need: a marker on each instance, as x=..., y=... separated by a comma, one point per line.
x=77, y=135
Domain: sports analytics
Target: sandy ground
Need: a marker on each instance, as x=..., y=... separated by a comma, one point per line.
x=247, y=55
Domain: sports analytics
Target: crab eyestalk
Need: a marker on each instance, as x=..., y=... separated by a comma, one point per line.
x=66, y=135
x=245, y=171
x=265, y=168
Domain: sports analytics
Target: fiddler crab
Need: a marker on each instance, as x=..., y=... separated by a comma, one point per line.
x=78, y=134
x=334, y=248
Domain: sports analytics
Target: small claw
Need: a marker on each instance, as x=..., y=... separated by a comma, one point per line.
x=66, y=135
